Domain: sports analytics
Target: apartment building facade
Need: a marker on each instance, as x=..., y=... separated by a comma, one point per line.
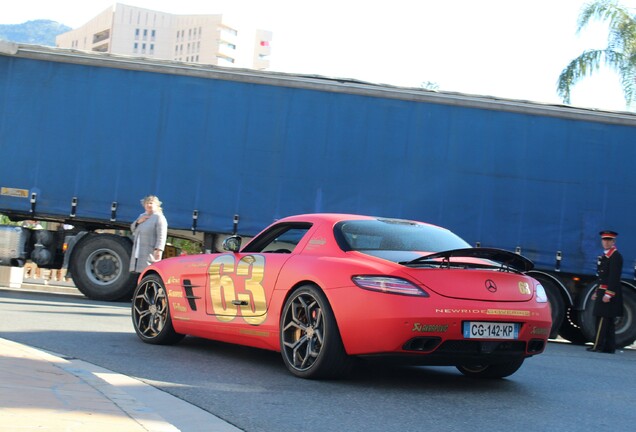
x=203, y=39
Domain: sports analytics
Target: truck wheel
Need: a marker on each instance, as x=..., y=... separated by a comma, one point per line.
x=625, y=325
x=99, y=266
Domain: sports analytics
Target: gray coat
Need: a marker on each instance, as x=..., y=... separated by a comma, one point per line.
x=147, y=237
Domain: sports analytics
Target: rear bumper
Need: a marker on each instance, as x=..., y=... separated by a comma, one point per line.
x=430, y=330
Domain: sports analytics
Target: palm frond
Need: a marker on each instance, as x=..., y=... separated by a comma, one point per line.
x=627, y=74
x=602, y=10
x=619, y=55
x=582, y=66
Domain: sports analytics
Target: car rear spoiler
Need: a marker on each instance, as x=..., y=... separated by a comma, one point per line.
x=504, y=257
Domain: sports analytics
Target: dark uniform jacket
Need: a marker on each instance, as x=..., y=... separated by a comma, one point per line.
x=609, y=279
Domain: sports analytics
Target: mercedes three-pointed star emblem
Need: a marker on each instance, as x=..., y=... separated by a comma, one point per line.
x=491, y=285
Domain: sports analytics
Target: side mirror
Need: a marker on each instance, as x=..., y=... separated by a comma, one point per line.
x=232, y=244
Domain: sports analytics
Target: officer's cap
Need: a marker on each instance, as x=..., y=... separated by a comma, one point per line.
x=610, y=235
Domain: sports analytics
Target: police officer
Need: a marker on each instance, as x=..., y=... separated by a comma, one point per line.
x=608, y=296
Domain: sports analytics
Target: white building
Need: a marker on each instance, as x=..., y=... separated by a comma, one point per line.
x=205, y=39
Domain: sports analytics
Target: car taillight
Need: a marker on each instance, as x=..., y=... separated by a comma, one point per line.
x=542, y=297
x=389, y=285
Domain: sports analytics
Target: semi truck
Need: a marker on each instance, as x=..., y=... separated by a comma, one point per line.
x=84, y=136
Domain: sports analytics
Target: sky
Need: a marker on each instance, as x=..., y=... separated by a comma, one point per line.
x=511, y=49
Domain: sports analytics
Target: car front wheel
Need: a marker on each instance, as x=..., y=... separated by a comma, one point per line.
x=151, y=314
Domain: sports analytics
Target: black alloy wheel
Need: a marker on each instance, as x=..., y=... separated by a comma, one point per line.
x=311, y=345
x=151, y=313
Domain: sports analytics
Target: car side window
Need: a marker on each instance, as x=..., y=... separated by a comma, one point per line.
x=286, y=242
x=281, y=238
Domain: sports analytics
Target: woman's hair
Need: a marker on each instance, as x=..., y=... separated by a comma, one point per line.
x=152, y=198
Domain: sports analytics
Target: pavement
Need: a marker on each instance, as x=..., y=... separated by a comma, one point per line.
x=46, y=391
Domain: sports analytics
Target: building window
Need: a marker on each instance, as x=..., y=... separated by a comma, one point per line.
x=143, y=48
x=145, y=34
x=135, y=47
x=153, y=34
x=136, y=34
x=152, y=48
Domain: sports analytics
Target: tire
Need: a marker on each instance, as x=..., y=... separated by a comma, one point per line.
x=310, y=342
x=498, y=370
x=151, y=313
x=625, y=325
x=557, y=304
x=99, y=267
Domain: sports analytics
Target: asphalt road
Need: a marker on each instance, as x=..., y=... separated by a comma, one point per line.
x=564, y=389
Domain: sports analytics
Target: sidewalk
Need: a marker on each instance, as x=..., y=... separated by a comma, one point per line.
x=43, y=391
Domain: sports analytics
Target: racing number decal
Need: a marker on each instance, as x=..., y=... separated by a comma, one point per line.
x=227, y=303
x=254, y=266
x=222, y=287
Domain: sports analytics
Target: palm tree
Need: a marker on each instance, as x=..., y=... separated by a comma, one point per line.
x=620, y=54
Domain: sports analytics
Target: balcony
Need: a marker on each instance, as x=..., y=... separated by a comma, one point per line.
x=101, y=36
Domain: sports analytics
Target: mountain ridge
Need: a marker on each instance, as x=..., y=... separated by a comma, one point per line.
x=38, y=32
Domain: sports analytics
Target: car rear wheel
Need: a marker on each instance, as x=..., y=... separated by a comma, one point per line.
x=151, y=314
x=309, y=338
x=498, y=370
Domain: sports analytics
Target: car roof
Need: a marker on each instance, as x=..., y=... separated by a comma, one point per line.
x=324, y=217
x=333, y=218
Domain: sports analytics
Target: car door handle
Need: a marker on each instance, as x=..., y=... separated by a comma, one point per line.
x=239, y=302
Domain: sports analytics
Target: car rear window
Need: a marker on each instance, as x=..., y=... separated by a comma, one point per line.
x=396, y=235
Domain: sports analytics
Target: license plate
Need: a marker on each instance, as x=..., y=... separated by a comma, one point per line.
x=490, y=330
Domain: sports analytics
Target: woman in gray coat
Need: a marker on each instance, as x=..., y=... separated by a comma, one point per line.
x=150, y=231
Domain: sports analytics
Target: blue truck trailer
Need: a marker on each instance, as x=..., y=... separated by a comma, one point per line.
x=84, y=136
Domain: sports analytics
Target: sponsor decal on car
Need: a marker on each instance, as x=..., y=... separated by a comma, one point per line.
x=316, y=243
x=430, y=328
x=503, y=312
x=540, y=331
x=507, y=312
x=251, y=332
x=179, y=307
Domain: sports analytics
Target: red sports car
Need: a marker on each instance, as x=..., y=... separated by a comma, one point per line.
x=326, y=289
